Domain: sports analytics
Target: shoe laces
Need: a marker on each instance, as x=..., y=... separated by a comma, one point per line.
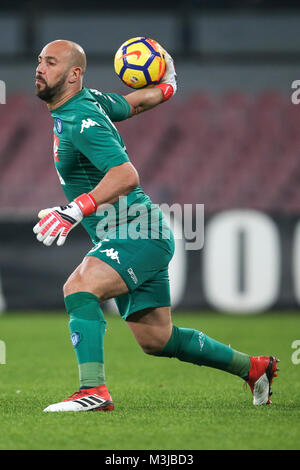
x=79, y=394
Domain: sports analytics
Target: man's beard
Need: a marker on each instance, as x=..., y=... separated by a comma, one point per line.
x=49, y=94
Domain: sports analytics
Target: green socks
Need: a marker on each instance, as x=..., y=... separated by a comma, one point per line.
x=194, y=346
x=87, y=326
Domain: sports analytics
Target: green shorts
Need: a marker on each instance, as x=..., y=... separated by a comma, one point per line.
x=143, y=265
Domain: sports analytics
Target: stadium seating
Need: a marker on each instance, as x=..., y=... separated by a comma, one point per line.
x=224, y=151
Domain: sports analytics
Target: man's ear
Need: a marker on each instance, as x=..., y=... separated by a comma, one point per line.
x=75, y=74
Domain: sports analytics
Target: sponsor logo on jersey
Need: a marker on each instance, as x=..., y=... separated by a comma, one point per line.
x=55, y=147
x=59, y=125
x=86, y=123
x=111, y=253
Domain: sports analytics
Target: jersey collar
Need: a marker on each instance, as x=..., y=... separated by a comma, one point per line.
x=78, y=95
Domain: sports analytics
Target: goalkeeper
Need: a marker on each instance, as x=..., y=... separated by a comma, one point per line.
x=95, y=172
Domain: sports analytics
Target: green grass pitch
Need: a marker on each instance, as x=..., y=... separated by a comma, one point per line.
x=160, y=403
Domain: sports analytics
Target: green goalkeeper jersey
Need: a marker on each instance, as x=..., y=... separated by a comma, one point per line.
x=87, y=144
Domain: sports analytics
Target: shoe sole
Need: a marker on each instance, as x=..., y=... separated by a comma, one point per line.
x=107, y=406
x=271, y=374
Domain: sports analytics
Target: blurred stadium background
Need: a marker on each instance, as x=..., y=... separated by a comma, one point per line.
x=229, y=140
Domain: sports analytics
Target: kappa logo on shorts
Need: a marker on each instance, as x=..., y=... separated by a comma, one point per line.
x=99, y=245
x=111, y=253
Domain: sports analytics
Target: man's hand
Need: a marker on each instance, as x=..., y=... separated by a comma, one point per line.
x=147, y=98
x=168, y=83
x=57, y=222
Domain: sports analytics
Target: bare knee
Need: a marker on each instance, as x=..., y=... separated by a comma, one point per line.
x=152, y=328
x=79, y=282
x=153, y=345
x=97, y=277
x=75, y=283
x=151, y=349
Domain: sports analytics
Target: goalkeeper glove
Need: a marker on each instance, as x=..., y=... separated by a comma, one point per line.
x=57, y=222
x=168, y=83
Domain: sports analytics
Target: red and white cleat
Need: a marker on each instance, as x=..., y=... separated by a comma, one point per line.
x=88, y=399
x=262, y=371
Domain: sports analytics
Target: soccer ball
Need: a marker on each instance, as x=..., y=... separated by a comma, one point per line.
x=140, y=62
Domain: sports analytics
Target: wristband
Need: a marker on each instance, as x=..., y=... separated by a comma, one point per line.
x=87, y=204
x=167, y=90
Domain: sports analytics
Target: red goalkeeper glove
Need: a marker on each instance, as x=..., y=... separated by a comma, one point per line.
x=168, y=83
x=57, y=222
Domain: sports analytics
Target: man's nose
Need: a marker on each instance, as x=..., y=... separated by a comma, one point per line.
x=40, y=68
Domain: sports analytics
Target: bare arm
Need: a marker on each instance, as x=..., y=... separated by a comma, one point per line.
x=143, y=100
x=118, y=181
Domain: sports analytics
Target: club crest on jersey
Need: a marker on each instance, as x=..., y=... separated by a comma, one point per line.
x=86, y=123
x=59, y=125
